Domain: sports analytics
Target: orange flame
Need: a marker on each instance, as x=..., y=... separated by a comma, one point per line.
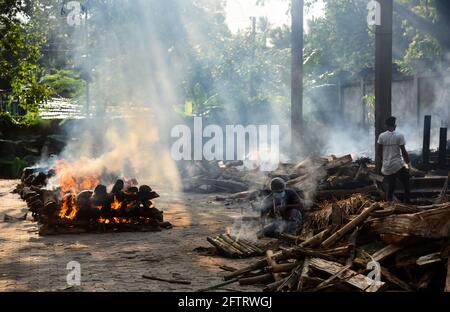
x=70, y=181
x=116, y=205
x=69, y=208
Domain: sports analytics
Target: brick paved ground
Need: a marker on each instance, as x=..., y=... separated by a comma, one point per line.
x=116, y=261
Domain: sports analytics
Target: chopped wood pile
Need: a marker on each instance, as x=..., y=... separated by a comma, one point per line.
x=218, y=176
x=62, y=210
x=234, y=247
x=360, y=245
x=352, y=240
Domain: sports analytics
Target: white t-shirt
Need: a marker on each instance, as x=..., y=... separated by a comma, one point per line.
x=392, y=156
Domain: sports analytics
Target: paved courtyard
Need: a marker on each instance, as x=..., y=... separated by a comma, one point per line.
x=116, y=261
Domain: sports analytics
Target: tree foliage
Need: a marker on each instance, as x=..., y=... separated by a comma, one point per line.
x=215, y=70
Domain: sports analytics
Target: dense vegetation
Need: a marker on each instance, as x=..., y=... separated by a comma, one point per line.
x=42, y=55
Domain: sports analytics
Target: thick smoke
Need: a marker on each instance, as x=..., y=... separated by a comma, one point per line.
x=136, y=68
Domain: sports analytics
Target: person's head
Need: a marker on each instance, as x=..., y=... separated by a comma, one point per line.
x=278, y=187
x=391, y=123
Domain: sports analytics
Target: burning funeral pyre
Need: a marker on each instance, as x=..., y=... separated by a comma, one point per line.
x=83, y=204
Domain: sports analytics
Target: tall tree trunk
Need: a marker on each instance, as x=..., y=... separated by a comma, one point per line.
x=297, y=79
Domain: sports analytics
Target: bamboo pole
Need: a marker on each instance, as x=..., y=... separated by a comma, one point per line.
x=350, y=226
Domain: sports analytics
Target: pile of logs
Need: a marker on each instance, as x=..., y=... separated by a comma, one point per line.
x=218, y=176
x=316, y=178
x=126, y=207
x=233, y=247
x=380, y=248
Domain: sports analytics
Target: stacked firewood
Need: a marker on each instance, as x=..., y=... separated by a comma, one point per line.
x=234, y=247
x=219, y=176
x=317, y=178
x=126, y=207
x=360, y=245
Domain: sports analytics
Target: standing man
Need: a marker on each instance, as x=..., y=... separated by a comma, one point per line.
x=395, y=158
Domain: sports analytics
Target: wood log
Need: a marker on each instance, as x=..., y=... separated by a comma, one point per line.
x=352, y=245
x=27, y=192
x=300, y=252
x=255, y=266
x=245, y=251
x=429, y=259
x=361, y=173
x=273, y=264
x=259, y=279
x=118, y=186
x=236, y=251
x=327, y=283
x=170, y=281
x=229, y=247
x=223, y=248
x=284, y=267
x=316, y=240
x=227, y=268
x=304, y=275
x=31, y=199
x=434, y=223
x=36, y=206
x=350, y=226
x=385, y=252
x=50, y=202
x=298, y=180
x=83, y=199
x=292, y=238
x=250, y=245
x=310, y=162
x=292, y=280
x=338, y=162
x=274, y=286
x=349, y=277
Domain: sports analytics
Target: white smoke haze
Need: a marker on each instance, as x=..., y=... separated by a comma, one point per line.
x=136, y=79
x=137, y=76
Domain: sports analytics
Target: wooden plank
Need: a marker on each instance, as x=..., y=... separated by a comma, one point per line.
x=338, y=162
x=349, y=277
x=350, y=226
x=385, y=252
x=429, y=259
x=316, y=239
x=304, y=274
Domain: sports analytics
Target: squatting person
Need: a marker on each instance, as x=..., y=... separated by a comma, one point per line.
x=281, y=211
x=395, y=160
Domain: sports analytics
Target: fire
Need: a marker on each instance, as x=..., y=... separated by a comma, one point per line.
x=113, y=220
x=70, y=182
x=116, y=205
x=69, y=208
x=77, y=197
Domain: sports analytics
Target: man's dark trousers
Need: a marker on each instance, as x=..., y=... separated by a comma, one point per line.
x=403, y=176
